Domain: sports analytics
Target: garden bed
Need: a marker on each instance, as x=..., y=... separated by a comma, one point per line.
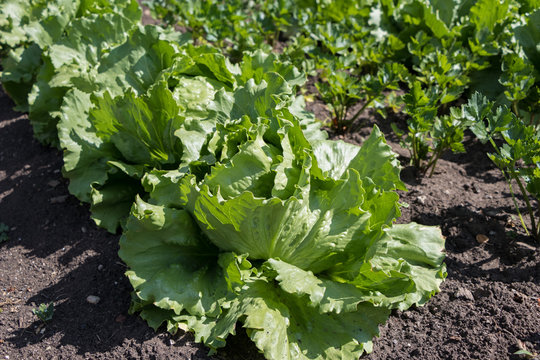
x=489, y=306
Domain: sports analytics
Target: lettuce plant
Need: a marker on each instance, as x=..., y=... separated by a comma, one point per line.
x=27, y=28
x=111, y=140
x=295, y=240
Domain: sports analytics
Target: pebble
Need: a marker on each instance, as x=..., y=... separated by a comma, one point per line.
x=59, y=199
x=492, y=213
x=100, y=267
x=53, y=183
x=83, y=229
x=421, y=199
x=463, y=293
x=92, y=299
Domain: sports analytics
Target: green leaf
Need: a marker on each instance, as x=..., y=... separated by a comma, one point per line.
x=255, y=64
x=374, y=159
x=173, y=266
x=86, y=155
x=110, y=203
x=528, y=37
x=141, y=128
x=403, y=267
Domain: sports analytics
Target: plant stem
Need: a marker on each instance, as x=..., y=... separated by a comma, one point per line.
x=527, y=202
x=415, y=156
x=508, y=179
x=362, y=108
x=515, y=108
x=433, y=163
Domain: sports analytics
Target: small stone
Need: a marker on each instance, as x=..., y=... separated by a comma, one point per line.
x=100, y=267
x=519, y=297
x=492, y=213
x=53, y=183
x=83, y=230
x=491, y=232
x=465, y=294
x=447, y=192
x=59, y=199
x=481, y=238
x=171, y=342
x=421, y=199
x=92, y=299
x=406, y=315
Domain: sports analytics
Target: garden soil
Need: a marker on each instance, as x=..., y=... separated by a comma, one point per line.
x=488, y=307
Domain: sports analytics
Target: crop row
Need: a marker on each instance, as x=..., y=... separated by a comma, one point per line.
x=233, y=205
x=363, y=54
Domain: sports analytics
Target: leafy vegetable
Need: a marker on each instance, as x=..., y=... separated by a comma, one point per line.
x=27, y=28
x=270, y=238
x=241, y=210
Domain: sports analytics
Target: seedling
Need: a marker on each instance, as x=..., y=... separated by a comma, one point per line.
x=4, y=232
x=44, y=312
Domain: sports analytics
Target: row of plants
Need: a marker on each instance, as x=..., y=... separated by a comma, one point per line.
x=233, y=205
x=423, y=58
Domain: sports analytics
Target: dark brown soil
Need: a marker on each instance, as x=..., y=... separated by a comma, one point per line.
x=489, y=306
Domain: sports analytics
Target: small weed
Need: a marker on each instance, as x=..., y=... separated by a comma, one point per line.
x=44, y=312
x=4, y=232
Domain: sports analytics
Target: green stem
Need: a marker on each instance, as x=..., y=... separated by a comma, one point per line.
x=527, y=202
x=415, y=152
x=512, y=175
x=515, y=108
x=509, y=181
x=363, y=108
x=433, y=163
